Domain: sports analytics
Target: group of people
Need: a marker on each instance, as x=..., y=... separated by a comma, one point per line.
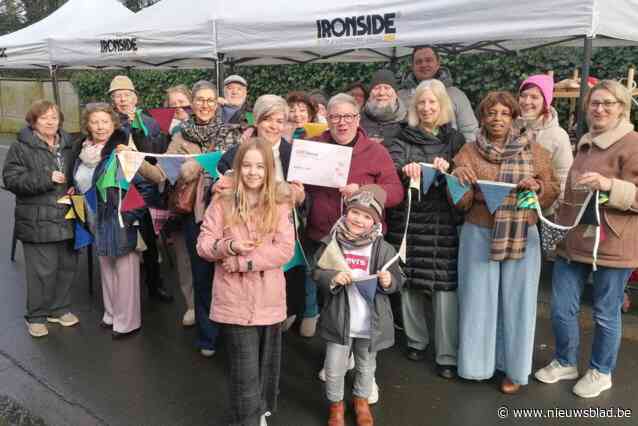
x=233, y=236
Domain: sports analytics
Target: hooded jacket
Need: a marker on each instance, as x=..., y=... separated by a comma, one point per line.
x=555, y=140
x=370, y=163
x=432, y=240
x=464, y=118
x=334, y=321
x=27, y=173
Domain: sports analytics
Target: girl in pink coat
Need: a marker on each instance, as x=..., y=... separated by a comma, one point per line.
x=248, y=232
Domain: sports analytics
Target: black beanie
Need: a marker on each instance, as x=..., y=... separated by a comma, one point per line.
x=384, y=76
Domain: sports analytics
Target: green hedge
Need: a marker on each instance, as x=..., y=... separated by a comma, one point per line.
x=475, y=74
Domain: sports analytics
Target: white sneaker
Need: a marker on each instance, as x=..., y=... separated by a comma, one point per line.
x=37, y=329
x=188, y=319
x=374, y=395
x=207, y=352
x=288, y=322
x=66, y=320
x=555, y=371
x=262, y=419
x=592, y=384
x=322, y=372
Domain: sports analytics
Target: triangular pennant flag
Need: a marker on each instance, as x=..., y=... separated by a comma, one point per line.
x=108, y=178
x=163, y=116
x=130, y=162
x=65, y=200
x=298, y=258
x=83, y=237
x=91, y=199
x=494, y=194
x=171, y=167
x=427, y=177
x=590, y=214
x=138, y=123
x=367, y=288
x=209, y=162
x=70, y=214
x=551, y=236
x=78, y=206
x=132, y=200
x=314, y=129
x=526, y=200
x=456, y=189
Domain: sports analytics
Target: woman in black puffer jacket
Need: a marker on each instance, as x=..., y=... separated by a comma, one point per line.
x=432, y=241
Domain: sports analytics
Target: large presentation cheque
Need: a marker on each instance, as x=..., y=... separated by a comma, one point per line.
x=319, y=163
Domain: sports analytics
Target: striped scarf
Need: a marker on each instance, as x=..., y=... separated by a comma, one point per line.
x=347, y=239
x=509, y=234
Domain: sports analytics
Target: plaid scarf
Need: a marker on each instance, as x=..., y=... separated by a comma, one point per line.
x=509, y=234
x=212, y=136
x=347, y=239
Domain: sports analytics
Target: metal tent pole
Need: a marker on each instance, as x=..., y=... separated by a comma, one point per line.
x=580, y=111
x=220, y=74
x=54, y=84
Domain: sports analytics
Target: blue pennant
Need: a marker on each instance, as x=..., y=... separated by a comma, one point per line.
x=121, y=180
x=91, y=199
x=494, y=194
x=367, y=288
x=427, y=178
x=298, y=258
x=171, y=167
x=83, y=237
x=456, y=189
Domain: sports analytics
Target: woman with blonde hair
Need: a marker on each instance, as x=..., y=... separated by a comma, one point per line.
x=249, y=233
x=606, y=162
x=432, y=240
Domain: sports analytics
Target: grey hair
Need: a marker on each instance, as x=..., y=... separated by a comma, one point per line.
x=267, y=105
x=342, y=98
x=203, y=85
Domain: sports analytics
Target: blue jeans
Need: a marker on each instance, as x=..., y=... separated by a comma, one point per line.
x=202, y=270
x=311, y=306
x=568, y=280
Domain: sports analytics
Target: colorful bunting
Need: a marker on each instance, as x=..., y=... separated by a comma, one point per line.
x=83, y=237
x=132, y=200
x=315, y=129
x=130, y=162
x=70, y=214
x=209, y=162
x=590, y=215
x=367, y=287
x=65, y=200
x=138, y=123
x=428, y=173
x=163, y=116
x=456, y=189
x=526, y=200
x=494, y=193
x=91, y=199
x=108, y=179
x=171, y=167
x=78, y=206
x=298, y=258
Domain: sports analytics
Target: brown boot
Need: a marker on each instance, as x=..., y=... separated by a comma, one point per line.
x=509, y=388
x=337, y=411
x=362, y=412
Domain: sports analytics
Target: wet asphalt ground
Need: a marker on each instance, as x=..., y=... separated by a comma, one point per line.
x=80, y=376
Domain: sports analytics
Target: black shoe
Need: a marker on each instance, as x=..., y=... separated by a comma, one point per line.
x=415, y=354
x=105, y=325
x=446, y=371
x=161, y=294
x=117, y=335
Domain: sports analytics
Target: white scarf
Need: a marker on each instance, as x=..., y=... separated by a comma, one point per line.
x=91, y=153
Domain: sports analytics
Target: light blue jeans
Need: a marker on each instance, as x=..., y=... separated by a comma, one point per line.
x=568, y=280
x=497, y=307
x=336, y=365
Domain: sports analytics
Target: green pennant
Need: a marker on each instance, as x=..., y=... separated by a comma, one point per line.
x=209, y=162
x=526, y=200
x=108, y=178
x=298, y=258
x=138, y=123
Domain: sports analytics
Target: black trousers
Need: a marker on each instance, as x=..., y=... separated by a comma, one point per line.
x=254, y=353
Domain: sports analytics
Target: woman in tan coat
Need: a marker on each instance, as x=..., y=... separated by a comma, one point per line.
x=606, y=161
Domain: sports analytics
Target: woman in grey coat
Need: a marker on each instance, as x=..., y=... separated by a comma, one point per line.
x=37, y=170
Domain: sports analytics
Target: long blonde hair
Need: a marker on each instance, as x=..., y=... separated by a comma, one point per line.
x=269, y=197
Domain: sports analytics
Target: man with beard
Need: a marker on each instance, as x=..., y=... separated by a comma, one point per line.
x=384, y=111
x=234, y=107
x=426, y=65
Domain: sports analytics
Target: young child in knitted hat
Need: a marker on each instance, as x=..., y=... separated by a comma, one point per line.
x=357, y=270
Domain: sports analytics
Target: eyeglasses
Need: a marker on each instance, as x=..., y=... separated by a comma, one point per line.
x=121, y=96
x=202, y=102
x=336, y=118
x=605, y=104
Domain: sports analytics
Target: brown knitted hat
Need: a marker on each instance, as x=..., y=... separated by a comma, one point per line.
x=369, y=198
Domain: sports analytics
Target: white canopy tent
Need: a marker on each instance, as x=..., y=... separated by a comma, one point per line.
x=30, y=46
x=369, y=30
x=168, y=34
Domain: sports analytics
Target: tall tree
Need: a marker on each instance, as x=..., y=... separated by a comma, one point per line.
x=11, y=16
x=35, y=10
